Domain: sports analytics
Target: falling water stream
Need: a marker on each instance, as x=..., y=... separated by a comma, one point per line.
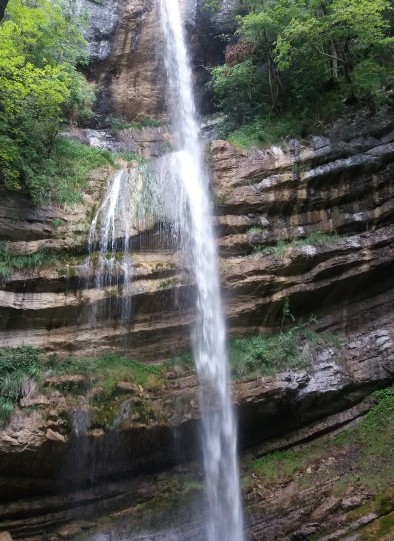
x=223, y=507
x=174, y=190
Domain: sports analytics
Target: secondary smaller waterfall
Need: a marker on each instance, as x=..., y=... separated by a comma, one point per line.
x=137, y=202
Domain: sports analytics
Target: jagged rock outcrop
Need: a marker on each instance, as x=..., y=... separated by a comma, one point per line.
x=3, y=5
x=129, y=70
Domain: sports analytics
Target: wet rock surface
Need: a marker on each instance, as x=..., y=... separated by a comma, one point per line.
x=129, y=70
x=41, y=453
x=262, y=197
x=269, y=204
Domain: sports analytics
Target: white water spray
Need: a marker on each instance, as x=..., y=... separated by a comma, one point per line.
x=135, y=202
x=223, y=506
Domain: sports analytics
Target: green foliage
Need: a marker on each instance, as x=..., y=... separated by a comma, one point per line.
x=369, y=444
x=280, y=465
x=267, y=355
x=370, y=81
x=267, y=130
x=212, y=6
x=21, y=367
x=62, y=175
x=18, y=367
x=191, y=485
x=10, y=262
x=382, y=413
x=109, y=369
x=241, y=91
x=41, y=44
x=288, y=56
x=182, y=362
x=316, y=238
x=79, y=107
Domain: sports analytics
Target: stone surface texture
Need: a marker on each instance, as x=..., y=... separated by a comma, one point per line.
x=63, y=460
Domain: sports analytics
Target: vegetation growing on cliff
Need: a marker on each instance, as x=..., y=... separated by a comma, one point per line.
x=316, y=238
x=368, y=444
x=41, y=44
x=61, y=176
x=107, y=370
x=292, y=63
x=10, y=262
x=19, y=368
x=267, y=355
x=24, y=368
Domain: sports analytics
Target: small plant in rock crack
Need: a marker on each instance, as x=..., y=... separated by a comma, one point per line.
x=20, y=368
x=283, y=247
x=289, y=350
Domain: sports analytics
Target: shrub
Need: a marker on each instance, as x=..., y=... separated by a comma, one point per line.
x=10, y=262
x=61, y=177
x=19, y=367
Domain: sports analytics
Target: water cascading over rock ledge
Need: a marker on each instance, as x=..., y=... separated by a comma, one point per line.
x=218, y=434
x=306, y=225
x=352, y=273
x=175, y=191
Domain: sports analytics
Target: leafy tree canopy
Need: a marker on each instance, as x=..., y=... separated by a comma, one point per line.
x=304, y=48
x=41, y=44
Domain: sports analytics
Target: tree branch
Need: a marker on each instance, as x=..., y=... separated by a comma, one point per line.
x=333, y=57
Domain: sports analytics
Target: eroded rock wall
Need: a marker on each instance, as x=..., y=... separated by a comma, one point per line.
x=341, y=188
x=268, y=203
x=126, y=47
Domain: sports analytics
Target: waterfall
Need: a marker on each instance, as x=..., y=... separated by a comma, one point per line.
x=223, y=506
x=173, y=190
x=135, y=201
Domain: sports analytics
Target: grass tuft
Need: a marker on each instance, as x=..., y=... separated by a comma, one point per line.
x=316, y=238
x=18, y=368
x=10, y=262
x=109, y=369
x=267, y=355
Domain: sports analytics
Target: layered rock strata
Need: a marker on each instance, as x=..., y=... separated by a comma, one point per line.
x=269, y=203
x=73, y=459
x=339, y=188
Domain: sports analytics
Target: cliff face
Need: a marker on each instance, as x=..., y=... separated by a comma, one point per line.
x=305, y=233
x=342, y=188
x=126, y=54
x=309, y=225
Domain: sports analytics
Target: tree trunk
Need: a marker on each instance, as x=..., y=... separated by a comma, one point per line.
x=334, y=61
x=3, y=5
x=274, y=79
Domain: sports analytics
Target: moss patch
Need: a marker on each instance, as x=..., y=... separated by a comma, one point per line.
x=361, y=456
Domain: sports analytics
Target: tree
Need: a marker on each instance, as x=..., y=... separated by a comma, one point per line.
x=40, y=47
x=305, y=48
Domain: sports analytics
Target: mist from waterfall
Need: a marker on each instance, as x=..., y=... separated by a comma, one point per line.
x=172, y=192
x=138, y=202
x=218, y=438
